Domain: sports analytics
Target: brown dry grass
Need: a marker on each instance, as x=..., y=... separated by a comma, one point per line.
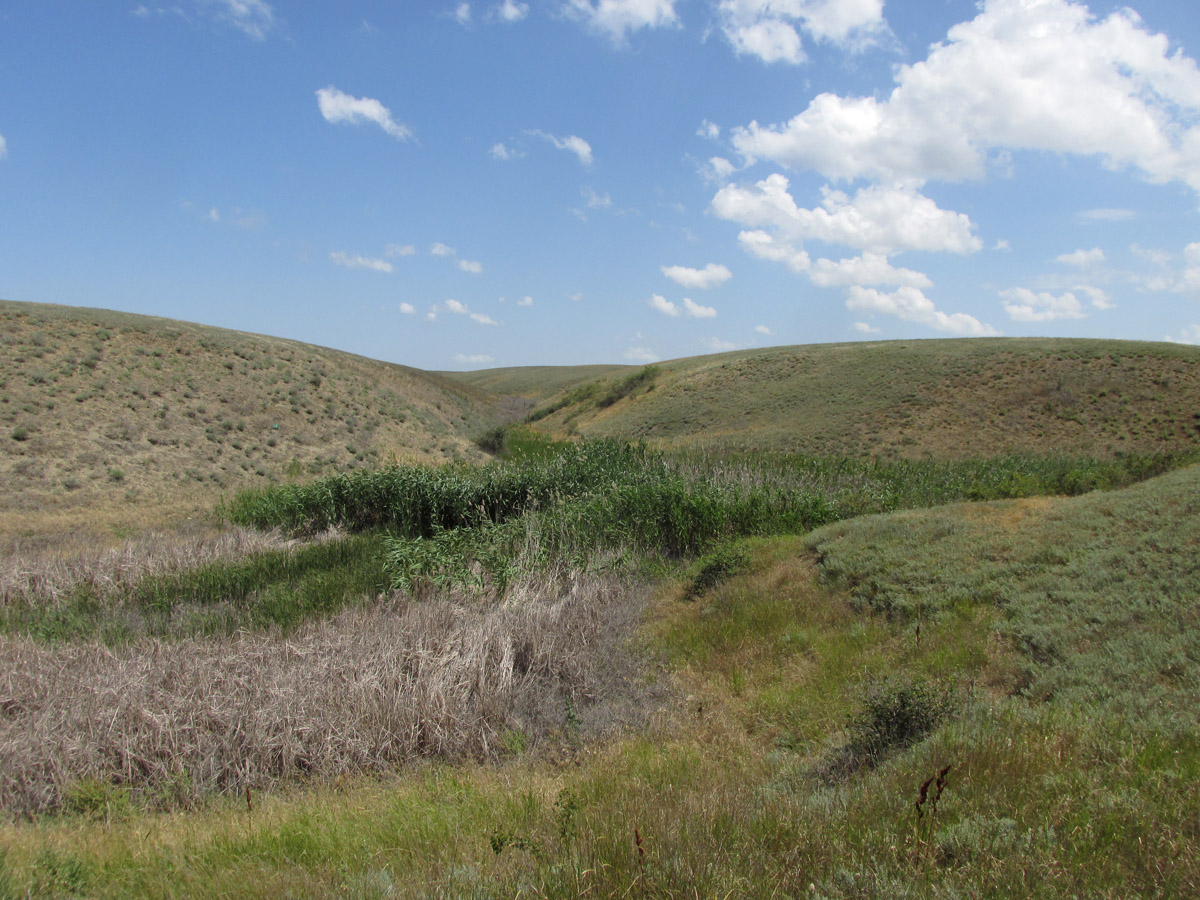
x=365, y=690
x=44, y=576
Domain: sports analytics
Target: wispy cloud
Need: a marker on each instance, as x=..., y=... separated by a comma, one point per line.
x=461, y=309
x=476, y=359
x=470, y=265
x=511, y=11
x=339, y=107
x=440, y=249
x=397, y=250
x=252, y=17
x=1082, y=258
x=355, y=261
x=641, y=355
x=573, y=143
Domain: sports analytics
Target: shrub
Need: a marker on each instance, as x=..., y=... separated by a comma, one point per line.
x=20, y=433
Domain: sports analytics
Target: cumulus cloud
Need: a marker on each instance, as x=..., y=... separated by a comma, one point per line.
x=709, y=130
x=525, y=301
x=911, y=304
x=355, y=261
x=866, y=328
x=337, y=106
x=763, y=329
x=440, y=249
x=617, y=19
x=1082, y=258
x=770, y=29
x=470, y=265
x=710, y=276
x=687, y=307
x=407, y=308
x=461, y=309
x=1022, y=75
x=575, y=144
x=879, y=218
x=1024, y=305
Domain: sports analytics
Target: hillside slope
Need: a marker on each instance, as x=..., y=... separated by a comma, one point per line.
x=943, y=398
x=118, y=415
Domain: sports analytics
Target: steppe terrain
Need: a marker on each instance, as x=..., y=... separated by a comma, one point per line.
x=909, y=619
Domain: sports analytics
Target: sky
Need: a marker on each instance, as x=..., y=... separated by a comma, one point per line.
x=482, y=183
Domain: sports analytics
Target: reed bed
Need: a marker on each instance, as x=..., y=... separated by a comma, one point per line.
x=364, y=690
x=28, y=579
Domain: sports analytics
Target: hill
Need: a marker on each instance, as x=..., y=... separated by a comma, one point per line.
x=112, y=419
x=940, y=398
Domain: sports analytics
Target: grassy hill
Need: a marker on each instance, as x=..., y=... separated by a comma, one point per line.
x=127, y=420
x=941, y=398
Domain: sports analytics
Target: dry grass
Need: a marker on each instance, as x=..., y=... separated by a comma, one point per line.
x=121, y=412
x=39, y=576
x=364, y=690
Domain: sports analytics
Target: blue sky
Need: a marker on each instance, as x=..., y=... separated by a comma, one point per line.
x=457, y=185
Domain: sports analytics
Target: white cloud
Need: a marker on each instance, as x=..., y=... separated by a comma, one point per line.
x=355, y=261
x=1100, y=299
x=511, y=11
x=689, y=308
x=709, y=130
x=1106, y=215
x=253, y=17
x=1183, y=279
x=500, y=151
x=883, y=219
x=867, y=269
x=470, y=265
x=1189, y=335
x=577, y=145
x=525, y=301
x=1082, y=258
x=866, y=328
x=710, y=276
x=696, y=311
x=641, y=354
x=462, y=14
x=461, y=309
x=663, y=305
x=719, y=346
x=3, y=148
x=768, y=28
x=763, y=329
x=396, y=250
x=1024, y=74
x=340, y=107
x=717, y=169
x=476, y=359
x=910, y=304
x=440, y=249
x=618, y=18
x=407, y=308
x=594, y=200
x=1023, y=305
x=214, y=215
